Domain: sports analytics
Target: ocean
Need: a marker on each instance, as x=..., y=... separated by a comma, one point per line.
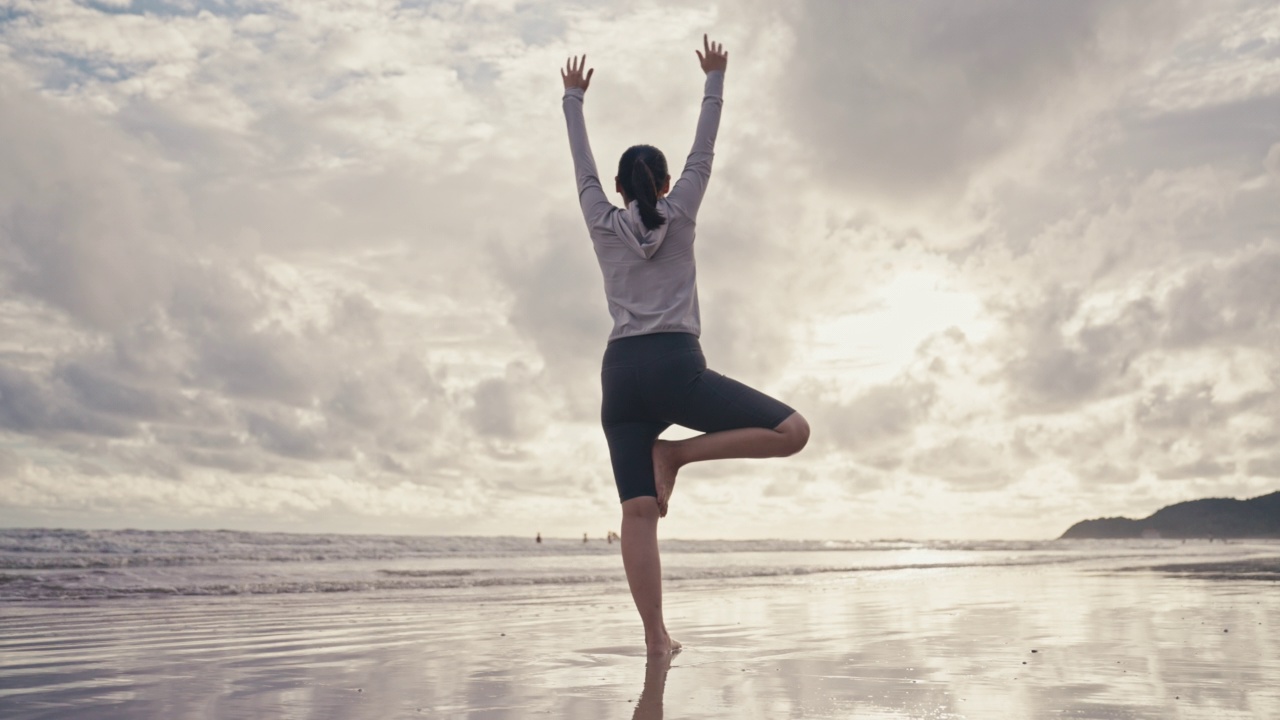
x=52, y=564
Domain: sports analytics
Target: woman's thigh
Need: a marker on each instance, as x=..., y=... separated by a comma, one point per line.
x=692, y=395
x=630, y=428
x=631, y=455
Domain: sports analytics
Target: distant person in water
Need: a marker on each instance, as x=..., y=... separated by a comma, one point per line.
x=654, y=374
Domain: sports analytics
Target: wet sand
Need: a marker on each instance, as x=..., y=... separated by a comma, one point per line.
x=1068, y=640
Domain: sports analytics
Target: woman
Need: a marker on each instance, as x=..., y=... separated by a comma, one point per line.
x=654, y=374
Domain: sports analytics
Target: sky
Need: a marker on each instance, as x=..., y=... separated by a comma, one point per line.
x=318, y=265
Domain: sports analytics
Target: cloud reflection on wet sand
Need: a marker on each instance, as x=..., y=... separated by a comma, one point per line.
x=1070, y=640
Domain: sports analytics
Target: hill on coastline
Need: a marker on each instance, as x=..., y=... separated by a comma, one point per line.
x=1208, y=518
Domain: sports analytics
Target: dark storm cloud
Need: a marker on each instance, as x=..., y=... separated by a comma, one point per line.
x=1227, y=134
x=875, y=425
x=1238, y=303
x=10, y=463
x=284, y=433
x=558, y=297
x=80, y=229
x=906, y=98
x=269, y=363
x=1055, y=371
x=238, y=462
x=1268, y=466
x=1193, y=407
x=362, y=401
x=494, y=413
x=100, y=392
x=32, y=407
x=187, y=334
x=557, y=301
x=966, y=464
x=1216, y=304
x=1104, y=473
x=1202, y=468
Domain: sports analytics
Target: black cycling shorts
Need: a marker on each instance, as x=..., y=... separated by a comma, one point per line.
x=652, y=382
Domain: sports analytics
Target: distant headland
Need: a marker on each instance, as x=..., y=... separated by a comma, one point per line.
x=1209, y=518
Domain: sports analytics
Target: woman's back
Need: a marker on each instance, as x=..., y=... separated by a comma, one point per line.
x=650, y=275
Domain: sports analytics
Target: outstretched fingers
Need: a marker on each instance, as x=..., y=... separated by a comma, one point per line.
x=572, y=73
x=712, y=57
x=712, y=48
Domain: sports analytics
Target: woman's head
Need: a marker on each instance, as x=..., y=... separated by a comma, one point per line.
x=642, y=176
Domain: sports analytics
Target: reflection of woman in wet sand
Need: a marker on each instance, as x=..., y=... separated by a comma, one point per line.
x=649, y=706
x=654, y=374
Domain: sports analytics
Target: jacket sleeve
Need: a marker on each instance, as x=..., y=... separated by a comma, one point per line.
x=692, y=185
x=595, y=205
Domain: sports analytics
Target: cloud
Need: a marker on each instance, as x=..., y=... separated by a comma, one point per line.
x=1268, y=467
x=1201, y=468
x=84, y=228
x=106, y=394
x=167, y=332
x=319, y=263
x=966, y=464
x=1052, y=371
x=31, y=407
x=1236, y=302
x=1061, y=357
x=875, y=426
x=504, y=408
x=910, y=101
x=557, y=301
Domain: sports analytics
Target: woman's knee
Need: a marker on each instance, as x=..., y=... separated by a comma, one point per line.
x=641, y=508
x=796, y=431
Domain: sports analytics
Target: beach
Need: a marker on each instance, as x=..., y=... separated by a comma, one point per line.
x=1083, y=630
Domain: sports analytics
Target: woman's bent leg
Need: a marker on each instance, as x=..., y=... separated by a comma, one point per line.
x=644, y=570
x=788, y=438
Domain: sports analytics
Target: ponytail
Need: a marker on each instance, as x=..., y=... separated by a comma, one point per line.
x=646, y=195
x=638, y=173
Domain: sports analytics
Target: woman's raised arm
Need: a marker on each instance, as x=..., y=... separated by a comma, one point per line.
x=692, y=185
x=595, y=204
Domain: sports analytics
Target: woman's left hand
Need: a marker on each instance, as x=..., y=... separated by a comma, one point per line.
x=572, y=73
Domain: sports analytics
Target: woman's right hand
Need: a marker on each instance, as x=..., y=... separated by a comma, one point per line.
x=717, y=58
x=572, y=73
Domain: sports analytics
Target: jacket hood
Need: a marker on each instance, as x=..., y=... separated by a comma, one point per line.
x=643, y=241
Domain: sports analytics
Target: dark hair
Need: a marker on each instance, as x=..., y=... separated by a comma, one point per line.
x=639, y=170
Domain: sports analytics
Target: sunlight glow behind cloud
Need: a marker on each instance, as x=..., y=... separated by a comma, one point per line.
x=877, y=342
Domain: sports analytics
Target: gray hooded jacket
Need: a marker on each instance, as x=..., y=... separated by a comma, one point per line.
x=650, y=277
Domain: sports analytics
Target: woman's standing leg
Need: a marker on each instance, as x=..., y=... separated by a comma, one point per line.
x=644, y=570
x=630, y=430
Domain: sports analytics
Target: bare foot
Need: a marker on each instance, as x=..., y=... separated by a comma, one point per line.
x=668, y=648
x=664, y=473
